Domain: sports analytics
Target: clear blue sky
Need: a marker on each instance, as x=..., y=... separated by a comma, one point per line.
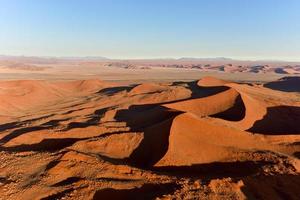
x=244, y=29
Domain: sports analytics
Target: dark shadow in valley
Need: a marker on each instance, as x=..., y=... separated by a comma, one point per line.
x=18, y=132
x=201, y=92
x=236, y=113
x=11, y=125
x=114, y=90
x=55, y=144
x=213, y=170
x=146, y=191
x=74, y=179
x=18, y=124
x=4, y=180
x=198, y=91
x=93, y=120
x=68, y=181
x=277, y=186
x=285, y=84
x=46, y=145
x=155, y=122
x=58, y=195
x=279, y=120
x=297, y=154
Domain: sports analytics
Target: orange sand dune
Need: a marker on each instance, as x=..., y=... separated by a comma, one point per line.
x=206, y=139
x=203, y=142
x=204, y=106
x=211, y=82
x=147, y=88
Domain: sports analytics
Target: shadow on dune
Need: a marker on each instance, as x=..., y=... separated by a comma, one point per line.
x=92, y=121
x=236, y=113
x=214, y=170
x=18, y=132
x=68, y=181
x=114, y=90
x=7, y=126
x=146, y=191
x=153, y=146
x=49, y=145
x=200, y=92
x=11, y=125
x=297, y=154
x=55, y=144
x=138, y=117
x=21, y=131
x=280, y=120
x=58, y=195
x=286, y=84
x=155, y=121
x=75, y=179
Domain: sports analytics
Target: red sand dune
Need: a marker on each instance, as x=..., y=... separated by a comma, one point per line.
x=210, y=139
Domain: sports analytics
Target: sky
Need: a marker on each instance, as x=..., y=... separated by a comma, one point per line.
x=240, y=29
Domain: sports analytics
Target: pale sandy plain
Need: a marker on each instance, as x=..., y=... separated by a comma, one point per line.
x=94, y=131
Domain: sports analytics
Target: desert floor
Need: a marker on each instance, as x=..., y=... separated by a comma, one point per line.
x=155, y=74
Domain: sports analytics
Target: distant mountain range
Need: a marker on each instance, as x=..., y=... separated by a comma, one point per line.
x=206, y=59
x=87, y=58
x=218, y=64
x=220, y=60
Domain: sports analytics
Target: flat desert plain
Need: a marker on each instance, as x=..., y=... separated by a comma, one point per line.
x=103, y=130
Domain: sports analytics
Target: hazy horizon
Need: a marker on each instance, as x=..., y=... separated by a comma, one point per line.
x=149, y=58
x=243, y=30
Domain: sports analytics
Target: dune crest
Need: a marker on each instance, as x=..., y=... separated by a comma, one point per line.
x=211, y=82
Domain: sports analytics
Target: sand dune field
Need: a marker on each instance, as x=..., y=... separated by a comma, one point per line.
x=95, y=139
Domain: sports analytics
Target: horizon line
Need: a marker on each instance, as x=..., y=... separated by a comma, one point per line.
x=233, y=58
